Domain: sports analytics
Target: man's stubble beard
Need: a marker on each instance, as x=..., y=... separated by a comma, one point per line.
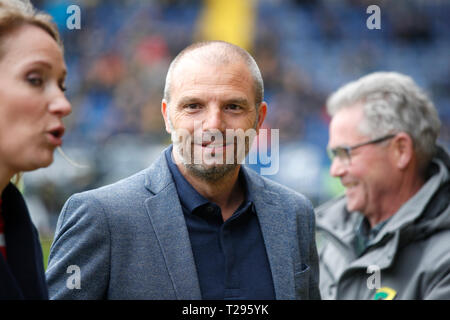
x=209, y=173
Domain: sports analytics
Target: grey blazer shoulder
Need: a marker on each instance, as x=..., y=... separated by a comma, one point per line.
x=129, y=240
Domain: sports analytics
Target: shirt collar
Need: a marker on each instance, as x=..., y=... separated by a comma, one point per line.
x=364, y=235
x=189, y=197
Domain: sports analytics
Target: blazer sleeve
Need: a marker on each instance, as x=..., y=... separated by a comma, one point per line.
x=309, y=286
x=79, y=261
x=313, y=255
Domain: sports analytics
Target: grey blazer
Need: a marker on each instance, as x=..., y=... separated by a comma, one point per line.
x=129, y=240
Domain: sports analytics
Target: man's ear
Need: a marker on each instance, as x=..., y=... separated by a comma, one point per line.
x=262, y=112
x=164, y=111
x=403, y=150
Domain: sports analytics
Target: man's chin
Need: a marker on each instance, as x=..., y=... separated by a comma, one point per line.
x=211, y=172
x=353, y=205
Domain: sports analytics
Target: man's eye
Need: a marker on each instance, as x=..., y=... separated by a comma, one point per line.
x=234, y=107
x=341, y=153
x=192, y=106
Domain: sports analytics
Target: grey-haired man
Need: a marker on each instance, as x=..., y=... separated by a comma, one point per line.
x=388, y=236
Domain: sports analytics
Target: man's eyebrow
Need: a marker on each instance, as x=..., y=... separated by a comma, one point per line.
x=338, y=147
x=188, y=100
x=191, y=99
x=239, y=101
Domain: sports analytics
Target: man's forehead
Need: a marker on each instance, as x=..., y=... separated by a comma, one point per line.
x=347, y=117
x=193, y=74
x=200, y=73
x=344, y=127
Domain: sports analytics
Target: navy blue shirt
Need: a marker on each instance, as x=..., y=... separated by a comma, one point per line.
x=230, y=256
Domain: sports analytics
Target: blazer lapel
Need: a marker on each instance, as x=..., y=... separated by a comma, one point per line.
x=168, y=222
x=275, y=230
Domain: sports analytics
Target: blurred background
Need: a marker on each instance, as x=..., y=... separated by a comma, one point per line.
x=118, y=59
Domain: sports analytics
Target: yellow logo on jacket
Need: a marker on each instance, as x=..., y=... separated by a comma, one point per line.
x=385, y=293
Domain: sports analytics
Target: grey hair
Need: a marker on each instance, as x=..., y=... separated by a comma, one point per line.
x=224, y=55
x=392, y=103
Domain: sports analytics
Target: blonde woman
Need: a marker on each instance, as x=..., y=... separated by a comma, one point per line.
x=32, y=105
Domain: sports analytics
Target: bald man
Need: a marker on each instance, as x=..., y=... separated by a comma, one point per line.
x=196, y=224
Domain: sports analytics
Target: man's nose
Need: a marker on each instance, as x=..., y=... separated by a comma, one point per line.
x=338, y=167
x=214, y=119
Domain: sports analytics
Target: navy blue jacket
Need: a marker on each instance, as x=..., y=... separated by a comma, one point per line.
x=22, y=275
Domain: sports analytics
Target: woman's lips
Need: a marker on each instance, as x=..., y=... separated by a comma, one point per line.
x=55, y=135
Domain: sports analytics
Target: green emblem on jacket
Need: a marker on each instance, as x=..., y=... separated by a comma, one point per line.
x=385, y=293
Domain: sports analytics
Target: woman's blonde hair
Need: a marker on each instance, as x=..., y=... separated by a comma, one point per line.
x=17, y=13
